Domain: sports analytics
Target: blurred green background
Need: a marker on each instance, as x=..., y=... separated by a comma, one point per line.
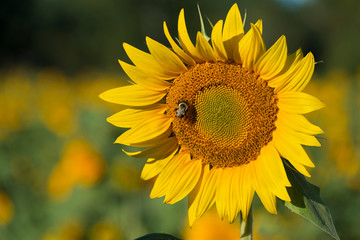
x=61, y=178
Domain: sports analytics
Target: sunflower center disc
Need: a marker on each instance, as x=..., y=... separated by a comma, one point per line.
x=222, y=116
x=230, y=114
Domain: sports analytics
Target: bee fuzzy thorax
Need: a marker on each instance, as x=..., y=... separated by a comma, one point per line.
x=182, y=108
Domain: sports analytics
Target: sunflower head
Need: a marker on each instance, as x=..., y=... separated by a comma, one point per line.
x=217, y=117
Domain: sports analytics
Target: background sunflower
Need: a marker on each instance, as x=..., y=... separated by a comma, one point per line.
x=57, y=56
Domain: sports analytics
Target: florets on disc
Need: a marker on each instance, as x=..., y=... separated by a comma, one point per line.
x=231, y=113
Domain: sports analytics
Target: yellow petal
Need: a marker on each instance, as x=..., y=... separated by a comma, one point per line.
x=292, y=135
x=298, y=102
x=238, y=188
x=266, y=196
x=191, y=209
x=226, y=202
x=143, y=79
x=274, y=165
x=246, y=193
x=130, y=116
x=291, y=63
x=185, y=39
x=299, y=123
x=182, y=55
x=151, y=142
x=146, y=130
x=233, y=30
x=202, y=198
x=204, y=48
x=299, y=167
x=193, y=199
x=183, y=180
x=161, y=150
x=217, y=42
x=166, y=58
x=161, y=185
x=132, y=95
x=250, y=48
x=291, y=150
x=259, y=25
x=147, y=63
x=234, y=200
x=222, y=190
x=207, y=191
x=293, y=59
x=268, y=177
x=155, y=166
x=301, y=75
x=273, y=60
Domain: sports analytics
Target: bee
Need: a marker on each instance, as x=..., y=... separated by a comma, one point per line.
x=181, y=111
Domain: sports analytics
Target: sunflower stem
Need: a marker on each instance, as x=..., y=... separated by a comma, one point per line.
x=246, y=229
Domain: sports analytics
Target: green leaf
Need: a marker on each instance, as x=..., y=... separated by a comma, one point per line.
x=158, y=236
x=245, y=15
x=211, y=24
x=306, y=202
x=203, y=32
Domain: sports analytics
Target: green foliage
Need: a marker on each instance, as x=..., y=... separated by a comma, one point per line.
x=203, y=31
x=306, y=202
x=73, y=35
x=246, y=227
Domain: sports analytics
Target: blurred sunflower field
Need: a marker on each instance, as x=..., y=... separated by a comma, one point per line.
x=61, y=178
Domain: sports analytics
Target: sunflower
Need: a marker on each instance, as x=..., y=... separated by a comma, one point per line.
x=217, y=117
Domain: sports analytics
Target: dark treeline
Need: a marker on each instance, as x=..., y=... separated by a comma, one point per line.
x=77, y=35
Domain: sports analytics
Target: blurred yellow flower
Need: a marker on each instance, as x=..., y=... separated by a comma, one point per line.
x=68, y=231
x=15, y=101
x=89, y=85
x=126, y=176
x=105, y=231
x=6, y=209
x=56, y=102
x=211, y=227
x=80, y=164
x=335, y=118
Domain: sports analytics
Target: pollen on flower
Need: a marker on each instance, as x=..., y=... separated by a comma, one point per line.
x=231, y=113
